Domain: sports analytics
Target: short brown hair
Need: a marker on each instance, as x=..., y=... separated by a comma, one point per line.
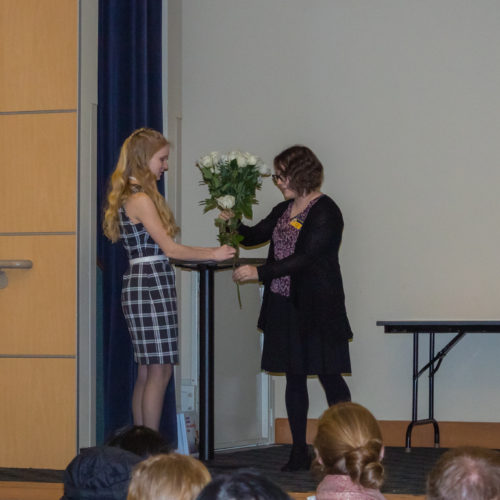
x=161, y=477
x=349, y=442
x=465, y=473
x=302, y=167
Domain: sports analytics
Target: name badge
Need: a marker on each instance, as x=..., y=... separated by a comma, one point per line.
x=296, y=223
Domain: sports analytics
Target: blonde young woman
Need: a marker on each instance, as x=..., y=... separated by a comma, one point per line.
x=349, y=452
x=138, y=215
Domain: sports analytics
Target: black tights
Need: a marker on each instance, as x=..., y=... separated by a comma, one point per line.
x=297, y=400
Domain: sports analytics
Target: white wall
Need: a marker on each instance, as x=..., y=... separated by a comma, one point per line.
x=88, y=14
x=400, y=100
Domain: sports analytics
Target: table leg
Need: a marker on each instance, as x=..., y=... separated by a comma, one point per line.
x=206, y=444
x=431, y=389
x=414, y=404
x=431, y=375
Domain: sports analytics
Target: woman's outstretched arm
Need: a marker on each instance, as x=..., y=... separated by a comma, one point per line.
x=140, y=207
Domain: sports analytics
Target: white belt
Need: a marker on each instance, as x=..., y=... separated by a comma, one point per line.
x=150, y=258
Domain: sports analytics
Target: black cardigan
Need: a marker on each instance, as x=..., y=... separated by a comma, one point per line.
x=316, y=287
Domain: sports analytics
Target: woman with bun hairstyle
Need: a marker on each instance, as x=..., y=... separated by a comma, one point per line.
x=138, y=215
x=349, y=451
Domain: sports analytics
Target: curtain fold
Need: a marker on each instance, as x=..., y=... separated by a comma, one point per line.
x=130, y=96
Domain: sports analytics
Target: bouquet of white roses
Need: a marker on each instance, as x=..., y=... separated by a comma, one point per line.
x=232, y=179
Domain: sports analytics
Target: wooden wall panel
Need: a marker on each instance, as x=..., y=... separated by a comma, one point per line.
x=38, y=65
x=21, y=490
x=38, y=412
x=452, y=434
x=38, y=194
x=38, y=161
x=38, y=306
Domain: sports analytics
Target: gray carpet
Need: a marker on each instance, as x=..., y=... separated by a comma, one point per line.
x=405, y=472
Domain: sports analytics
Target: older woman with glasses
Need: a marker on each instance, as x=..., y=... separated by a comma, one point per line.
x=303, y=314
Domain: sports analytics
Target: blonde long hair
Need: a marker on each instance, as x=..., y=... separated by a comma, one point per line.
x=168, y=477
x=349, y=442
x=135, y=154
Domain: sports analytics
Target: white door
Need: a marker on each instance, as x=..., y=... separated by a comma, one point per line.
x=241, y=394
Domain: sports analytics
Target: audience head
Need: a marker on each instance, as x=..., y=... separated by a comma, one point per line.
x=465, y=473
x=349, y=442
x=301, y=167
x=168, y=477
x=242, y=485
x=140, y=440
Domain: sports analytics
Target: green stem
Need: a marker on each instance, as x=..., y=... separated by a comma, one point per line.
x=239, y=296
x=227, y=231
x=235, y=259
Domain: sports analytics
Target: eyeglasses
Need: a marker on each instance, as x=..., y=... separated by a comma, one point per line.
x=277, y=177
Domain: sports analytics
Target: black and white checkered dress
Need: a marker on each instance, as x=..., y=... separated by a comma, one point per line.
x=149, y=298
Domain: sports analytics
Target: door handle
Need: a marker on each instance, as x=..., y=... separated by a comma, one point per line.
x=12, y=264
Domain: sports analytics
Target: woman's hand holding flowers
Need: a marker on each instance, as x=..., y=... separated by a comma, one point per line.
x=224, y=252
x=245, y=273
x=226, y=214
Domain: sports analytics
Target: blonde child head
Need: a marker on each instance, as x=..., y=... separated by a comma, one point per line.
x=168, y=477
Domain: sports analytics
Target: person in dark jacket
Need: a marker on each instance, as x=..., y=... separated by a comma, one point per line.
x=104, y=472
x=303, y=314
x=99, y=473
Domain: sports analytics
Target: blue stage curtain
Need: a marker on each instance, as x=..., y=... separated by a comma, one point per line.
x=130, y=97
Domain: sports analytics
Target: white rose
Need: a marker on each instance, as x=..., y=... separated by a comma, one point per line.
x=214, y=155
x=224, y=159
x=263, y=169
x=226, y=202
x=252, y=160
x=242, y=161
x=206, y=161
x=233, y=155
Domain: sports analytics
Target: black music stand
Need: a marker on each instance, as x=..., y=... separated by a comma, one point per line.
x=206, y=270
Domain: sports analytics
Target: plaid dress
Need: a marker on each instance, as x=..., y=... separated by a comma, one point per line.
x=149, y=299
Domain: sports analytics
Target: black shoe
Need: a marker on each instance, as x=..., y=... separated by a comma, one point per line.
x=300, y=459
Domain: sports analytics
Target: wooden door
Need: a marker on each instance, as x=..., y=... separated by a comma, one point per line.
x=38, y=200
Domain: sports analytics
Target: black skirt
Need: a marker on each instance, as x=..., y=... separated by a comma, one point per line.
x=287, y=350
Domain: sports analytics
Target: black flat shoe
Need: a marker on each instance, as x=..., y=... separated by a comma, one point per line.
x=300, y=459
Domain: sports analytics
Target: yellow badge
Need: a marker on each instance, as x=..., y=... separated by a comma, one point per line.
x=296, y=223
